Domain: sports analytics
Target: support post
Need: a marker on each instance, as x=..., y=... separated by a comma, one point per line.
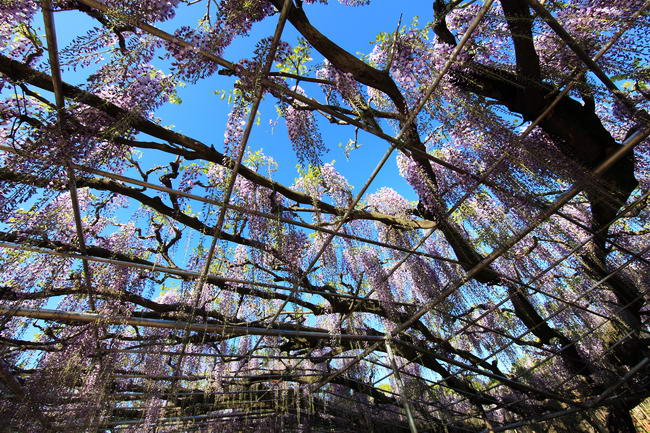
x=400, y=388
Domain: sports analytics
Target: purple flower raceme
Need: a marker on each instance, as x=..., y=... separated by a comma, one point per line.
x=343, y=2
x=325, y=181
x=303, y=132
x=146, y=10
x=415, y=175
x=343, y=84
x=388, y=201
x=234, y=19
x=234, y=131
x=13, y=13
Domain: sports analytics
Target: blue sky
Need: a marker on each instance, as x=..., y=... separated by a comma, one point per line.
x=202, y=114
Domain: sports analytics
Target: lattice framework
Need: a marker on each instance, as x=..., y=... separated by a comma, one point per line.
x=372, y=343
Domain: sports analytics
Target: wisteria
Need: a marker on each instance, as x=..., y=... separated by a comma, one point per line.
x=445, y=230
x=342, y=84
x=304, y=134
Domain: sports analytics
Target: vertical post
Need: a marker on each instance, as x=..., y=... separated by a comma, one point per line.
x=400, y=388
x=57, y=85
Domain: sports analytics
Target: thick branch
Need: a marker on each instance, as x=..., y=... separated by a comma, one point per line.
x=343, y=60
x=520, y=23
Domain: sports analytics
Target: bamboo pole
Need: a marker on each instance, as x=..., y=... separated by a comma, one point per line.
x=224, y=330
x=400, y=388
x=176, y=271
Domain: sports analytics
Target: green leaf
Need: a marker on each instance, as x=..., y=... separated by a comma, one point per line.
x=174, y=99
